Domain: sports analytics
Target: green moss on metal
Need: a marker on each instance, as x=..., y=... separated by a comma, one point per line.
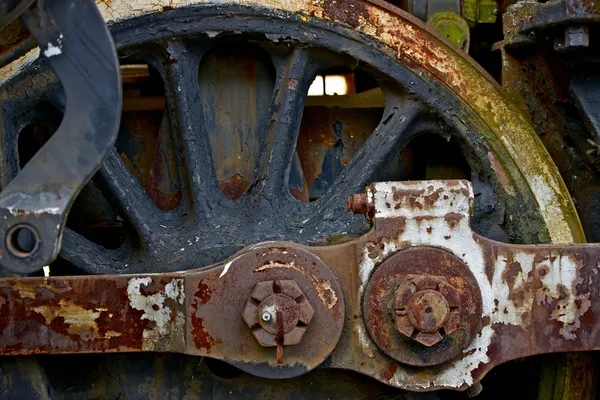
x=480, y=11
x=452, y=26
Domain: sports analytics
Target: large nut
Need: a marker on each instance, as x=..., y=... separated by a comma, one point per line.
x=426, y=308
x=422, y=306
x=278, y=311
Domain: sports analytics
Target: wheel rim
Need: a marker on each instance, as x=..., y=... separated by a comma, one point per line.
x=267, y=211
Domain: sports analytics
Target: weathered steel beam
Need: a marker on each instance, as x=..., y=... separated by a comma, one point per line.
x=421, y=302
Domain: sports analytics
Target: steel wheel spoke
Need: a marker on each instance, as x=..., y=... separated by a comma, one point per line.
x=395, y=130
x=133, y=203
x=88, y=256
x=187, y=119
x=294, y=76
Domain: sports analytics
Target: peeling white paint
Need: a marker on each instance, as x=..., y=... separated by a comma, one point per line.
x=559, y=279
x=174, y=290
x=401, y=206
x=366, y=344
x=48, y=210
x=507, y=311
x=325, y=292
x=507, y=299
x=155, y=310
x=436, y=232
x=275, y=264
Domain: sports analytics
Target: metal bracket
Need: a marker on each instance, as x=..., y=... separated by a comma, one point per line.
x=76, y=43
x=525, y=22
x=420, y=302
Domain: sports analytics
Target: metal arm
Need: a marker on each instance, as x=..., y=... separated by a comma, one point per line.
x=75, y=42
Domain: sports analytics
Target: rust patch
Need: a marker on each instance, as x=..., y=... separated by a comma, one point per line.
x=234, y=187
x=69, y=318
x=203, y=294
x=392, y=228
x=347, y=12
x=64, y=315
x=201, y=336
x=325, y=292
x=415, y=270
x=387, y=373
x=452, y=219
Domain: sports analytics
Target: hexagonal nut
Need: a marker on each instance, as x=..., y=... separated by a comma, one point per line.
x=450, y=293
x=428, y=339
x=250, y=314
x=262, y=291
x=413, y=284
x=294, y=337
x=403, y=294
x=306, y=312
x=425, y=281
x=404, y=326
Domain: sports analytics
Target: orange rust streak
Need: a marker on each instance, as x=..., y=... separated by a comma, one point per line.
x=71, y=315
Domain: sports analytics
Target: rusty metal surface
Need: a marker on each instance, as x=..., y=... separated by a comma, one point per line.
x=522, y=309
x=537, y=78
x=218, y=299
x=345, y=259
x=153, y=313
x=426, y=52
x=91, y=314
x=533, y=300
x=405, y=279
x=526, y=21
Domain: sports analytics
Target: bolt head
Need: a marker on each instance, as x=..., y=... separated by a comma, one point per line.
x=271, y=314
x=282, y=314
x=390, y=290
x=428, y=338
x=428, y=310
x=266, y=317
x=424, y=304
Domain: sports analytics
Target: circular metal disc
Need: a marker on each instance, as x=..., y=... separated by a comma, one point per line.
x=379, y=299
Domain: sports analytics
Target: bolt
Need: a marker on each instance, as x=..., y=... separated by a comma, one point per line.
x=266, y=317
x=474, y=390
x=359, y=204
x=278, y=314
x=575, y=37
x=419, y=319
x=426, y=308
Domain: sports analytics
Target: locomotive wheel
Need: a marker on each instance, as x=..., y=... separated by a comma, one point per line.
x=231, y=160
